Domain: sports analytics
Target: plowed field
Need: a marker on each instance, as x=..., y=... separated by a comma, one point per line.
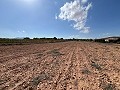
x=60, y=66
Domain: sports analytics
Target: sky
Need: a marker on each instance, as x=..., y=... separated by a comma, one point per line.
x=59, y=18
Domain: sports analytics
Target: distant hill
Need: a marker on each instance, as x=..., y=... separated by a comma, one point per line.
x=113, y=37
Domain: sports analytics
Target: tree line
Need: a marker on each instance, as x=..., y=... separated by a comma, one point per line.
x=27, y=40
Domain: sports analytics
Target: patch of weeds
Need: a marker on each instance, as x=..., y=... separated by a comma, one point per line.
x=106, y=83
x=108, y=86
x=96, y=65
x=39, y=55
x=55, y=52
x=85, y=71
x=43, y=76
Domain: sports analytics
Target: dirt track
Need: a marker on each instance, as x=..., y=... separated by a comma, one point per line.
x=60, y=66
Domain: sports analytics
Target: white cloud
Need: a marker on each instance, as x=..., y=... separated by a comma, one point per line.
x=76, y=11
x=84, y=1
x=56, y=17
x=23, y=31
x=85, y=30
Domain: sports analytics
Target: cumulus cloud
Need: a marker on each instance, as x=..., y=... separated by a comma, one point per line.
x=76, y=11
x=84, y=1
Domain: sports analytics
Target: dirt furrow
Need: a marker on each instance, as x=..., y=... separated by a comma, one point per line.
x=46, y=62
x=60, y=66
x=57, y=69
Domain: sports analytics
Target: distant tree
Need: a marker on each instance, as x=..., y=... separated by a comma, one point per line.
x=36, y=38
x=100, y=40
x=61, y=38
x=118, y=41
x=27, y=38
x=73, y=38
x=91, y=39
x=55, y=38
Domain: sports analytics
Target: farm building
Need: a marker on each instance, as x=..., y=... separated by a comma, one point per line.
x=112, y=39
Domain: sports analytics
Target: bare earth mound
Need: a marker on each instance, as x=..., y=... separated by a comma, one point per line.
x=60, y=66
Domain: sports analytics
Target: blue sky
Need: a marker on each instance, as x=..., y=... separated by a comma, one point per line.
x=59, y=18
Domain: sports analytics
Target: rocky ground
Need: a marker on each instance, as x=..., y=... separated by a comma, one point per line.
x=60, y=66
